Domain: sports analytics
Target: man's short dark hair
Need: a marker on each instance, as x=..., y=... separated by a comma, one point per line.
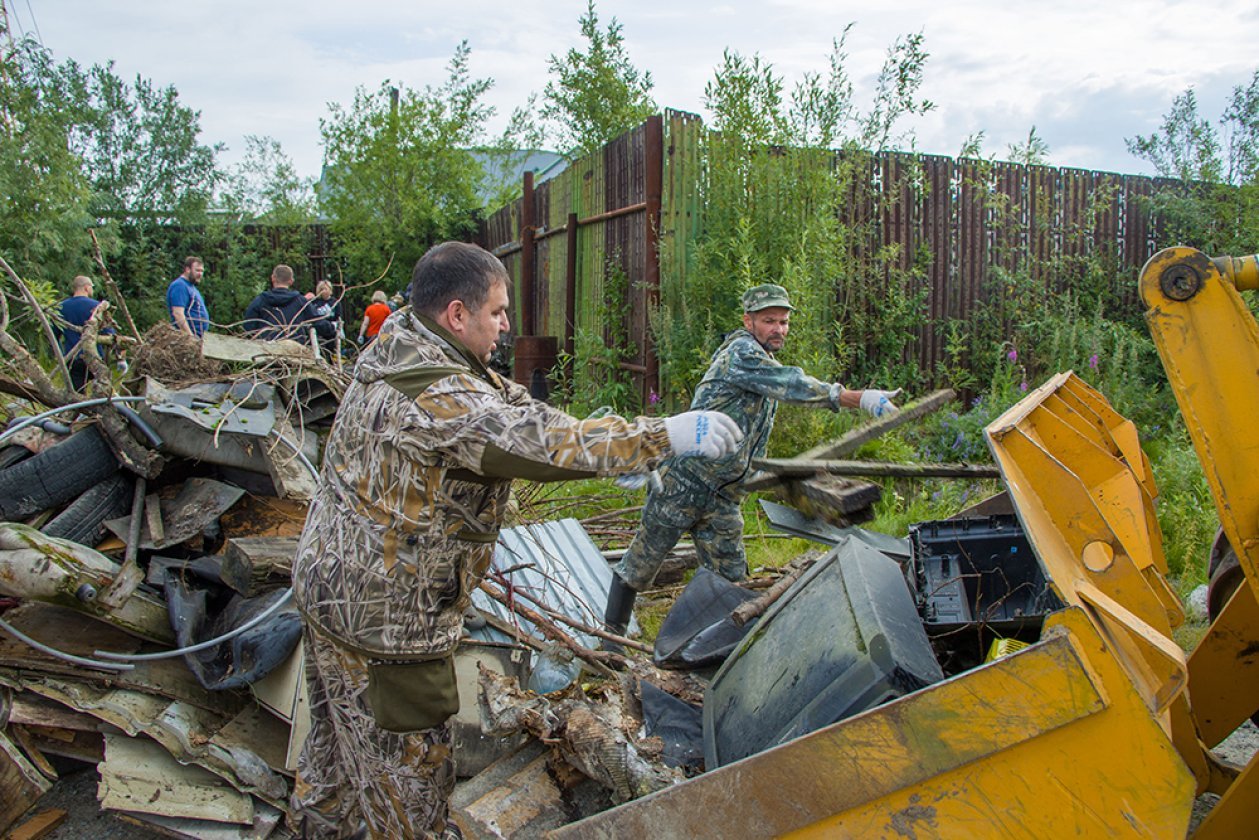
x=454, y=271
x=189, y=260
x=283, y=275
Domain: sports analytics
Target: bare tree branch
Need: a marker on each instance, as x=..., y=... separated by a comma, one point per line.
x=112, y=286
x=43, y=320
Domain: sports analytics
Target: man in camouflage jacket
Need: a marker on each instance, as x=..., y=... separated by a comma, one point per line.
x=745, y=382
x=413, y=489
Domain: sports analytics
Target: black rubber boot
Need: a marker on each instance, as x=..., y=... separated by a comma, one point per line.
x=616, y=617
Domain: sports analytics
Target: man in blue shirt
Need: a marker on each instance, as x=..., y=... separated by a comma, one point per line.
x=75, y=311
x=187, y=307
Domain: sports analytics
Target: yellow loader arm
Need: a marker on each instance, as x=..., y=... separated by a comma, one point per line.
x=1208, y=341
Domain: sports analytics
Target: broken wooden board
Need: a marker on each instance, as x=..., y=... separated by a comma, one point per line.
x=139, y=775
x=854, y=439
x=21, y=783
x=200, y=502
x=22, y=667
x=517, y=796
x=264, y=516
x=39, y=825
x=249, y=562
x=289, y=473
x=866, y=432
x=840, y=501
x=230, y=348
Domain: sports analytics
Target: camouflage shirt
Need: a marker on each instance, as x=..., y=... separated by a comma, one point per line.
x=746, y=382
x=414, y=484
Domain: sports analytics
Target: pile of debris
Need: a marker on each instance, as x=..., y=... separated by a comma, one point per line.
x=144, y=555
x=146, y=543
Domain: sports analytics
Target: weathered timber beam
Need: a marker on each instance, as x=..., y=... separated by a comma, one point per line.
x=787, y=467
x=855, y=438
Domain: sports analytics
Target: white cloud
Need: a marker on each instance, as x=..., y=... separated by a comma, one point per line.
x=1085, y=74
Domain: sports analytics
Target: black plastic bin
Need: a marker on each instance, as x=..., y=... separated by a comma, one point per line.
x=843, y=639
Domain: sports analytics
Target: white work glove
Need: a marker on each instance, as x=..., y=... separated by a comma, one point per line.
x=879, y=403
x=630, y=481
x=707, y=434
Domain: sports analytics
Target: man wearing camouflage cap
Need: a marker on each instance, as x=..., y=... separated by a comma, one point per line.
x=414, y=488
x=745, y=382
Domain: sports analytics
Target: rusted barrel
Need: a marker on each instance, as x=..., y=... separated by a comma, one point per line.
x=534, y=357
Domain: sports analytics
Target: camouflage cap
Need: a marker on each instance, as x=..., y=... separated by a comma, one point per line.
x=764, y=296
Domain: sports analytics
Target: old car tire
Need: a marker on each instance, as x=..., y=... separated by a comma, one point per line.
x=83, y=520
x=56, y=475
x=13, y=454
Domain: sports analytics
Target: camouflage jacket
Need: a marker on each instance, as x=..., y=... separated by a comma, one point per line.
x=746, y=382
x=415, y=481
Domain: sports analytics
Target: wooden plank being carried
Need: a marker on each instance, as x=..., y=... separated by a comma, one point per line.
x=863, y=434
x=854, y=439
x=785, y=467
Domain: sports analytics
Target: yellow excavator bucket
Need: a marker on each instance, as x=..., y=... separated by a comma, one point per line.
x=1071, y=735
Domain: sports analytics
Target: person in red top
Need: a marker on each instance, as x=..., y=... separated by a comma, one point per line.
x=373, y=317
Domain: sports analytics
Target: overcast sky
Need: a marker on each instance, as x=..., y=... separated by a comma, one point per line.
x=1087, y=74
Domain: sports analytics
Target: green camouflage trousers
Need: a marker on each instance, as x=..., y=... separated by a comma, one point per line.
x=713, y=520
x=352, y=774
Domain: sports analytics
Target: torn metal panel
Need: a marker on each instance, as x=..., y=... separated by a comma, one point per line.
x=216, y=407
x=214, y=429
x=200, y=502
x=266, y=819
x=138, y=775
x=291, y=477
x=317, y=397
x=791, y=521
x=557, y=564
x=189, y=734
x=42, y=568
x=22, y=666
x=474, y=750
x=283, y=692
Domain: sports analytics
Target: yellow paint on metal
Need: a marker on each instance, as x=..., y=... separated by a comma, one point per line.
x=1209, y=344
x=1050, y=741
x=1082, y=488
x=1224, y=669
x=1097, y=730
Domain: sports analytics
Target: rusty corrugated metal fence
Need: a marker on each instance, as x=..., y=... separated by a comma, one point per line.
x=583, y=248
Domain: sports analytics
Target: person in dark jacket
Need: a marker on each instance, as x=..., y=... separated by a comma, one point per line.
x=76, y=310
x=279, y=312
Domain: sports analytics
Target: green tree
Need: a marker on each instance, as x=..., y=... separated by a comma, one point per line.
x=1213, y=207
x=140, y=148
x=1033, y=151
x=265, y=187
x=597, y=94
x=778, y=202
x=399, y=174
x=1186, y=147
x=44, y=191
x=80, y=148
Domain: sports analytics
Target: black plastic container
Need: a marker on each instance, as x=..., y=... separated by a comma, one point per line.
x=977, y=580
x=843, y=639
